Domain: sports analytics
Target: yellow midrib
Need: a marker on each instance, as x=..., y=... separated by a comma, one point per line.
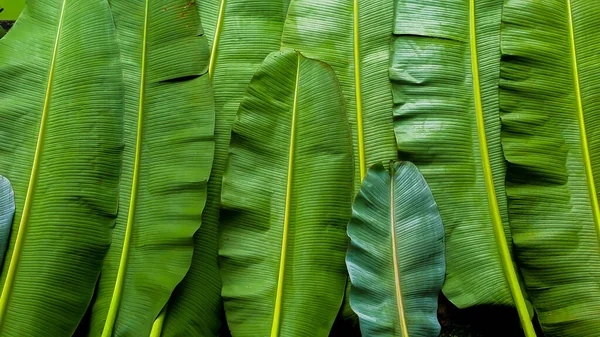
x=582, y=130
x=213, y=52
x=399, y=303
x=501, y=243
x=23, y=224
x=286, y=214
x=158, y=323
x=118, y=290
x=359, y=116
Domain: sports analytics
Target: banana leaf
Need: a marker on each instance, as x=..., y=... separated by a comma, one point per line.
x=169, y=125
x=237, y=51
x=7, y=213
x=286, y=199
x=60, y=146
x=354, y=38
x=396, y=254
x=549, y=99
x=444, y=70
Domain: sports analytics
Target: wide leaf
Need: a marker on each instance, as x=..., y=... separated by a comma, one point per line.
x=61, y=116
x=237, y=51
x=396, y=255
x=286, y=199
x=550, y=99
x=444, y=70
x=169, y=122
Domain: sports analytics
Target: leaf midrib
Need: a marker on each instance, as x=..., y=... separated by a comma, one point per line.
x=276, y=324
x=215, y=45
x=398, y=289
x=501, y=243
x=582, y=129
x=23, y=224
x=358, y=95
x=118, y=290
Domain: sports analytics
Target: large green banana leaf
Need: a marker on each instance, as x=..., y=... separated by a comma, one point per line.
x=60, y=146
x=550, y=100
x=7, y=213
x=396, y=255
x=169, y=123
x=286, y=199
x=238, y=50
x=354, y=38
x=444, y=70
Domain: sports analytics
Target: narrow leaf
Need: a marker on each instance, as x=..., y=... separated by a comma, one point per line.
x=169, y=125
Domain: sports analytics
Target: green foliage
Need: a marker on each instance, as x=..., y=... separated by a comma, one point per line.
x=286, y=196
x=60, y=146
x=168, y=127
x=549, y=99
x=396, y=255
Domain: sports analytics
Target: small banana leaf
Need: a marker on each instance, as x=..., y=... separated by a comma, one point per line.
x=396, y=255
x=286, y=198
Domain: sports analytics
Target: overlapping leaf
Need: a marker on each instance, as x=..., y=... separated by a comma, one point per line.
x=237, y=51
x=396, y=255
x=286, y=200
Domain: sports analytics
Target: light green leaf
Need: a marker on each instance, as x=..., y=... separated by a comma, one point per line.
x=444, y=72
x=396, y=255
x=7, y=213
x=195, y=308
x=169, y=123
x=550, y=98
x=286, y=200
x=60, y=146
